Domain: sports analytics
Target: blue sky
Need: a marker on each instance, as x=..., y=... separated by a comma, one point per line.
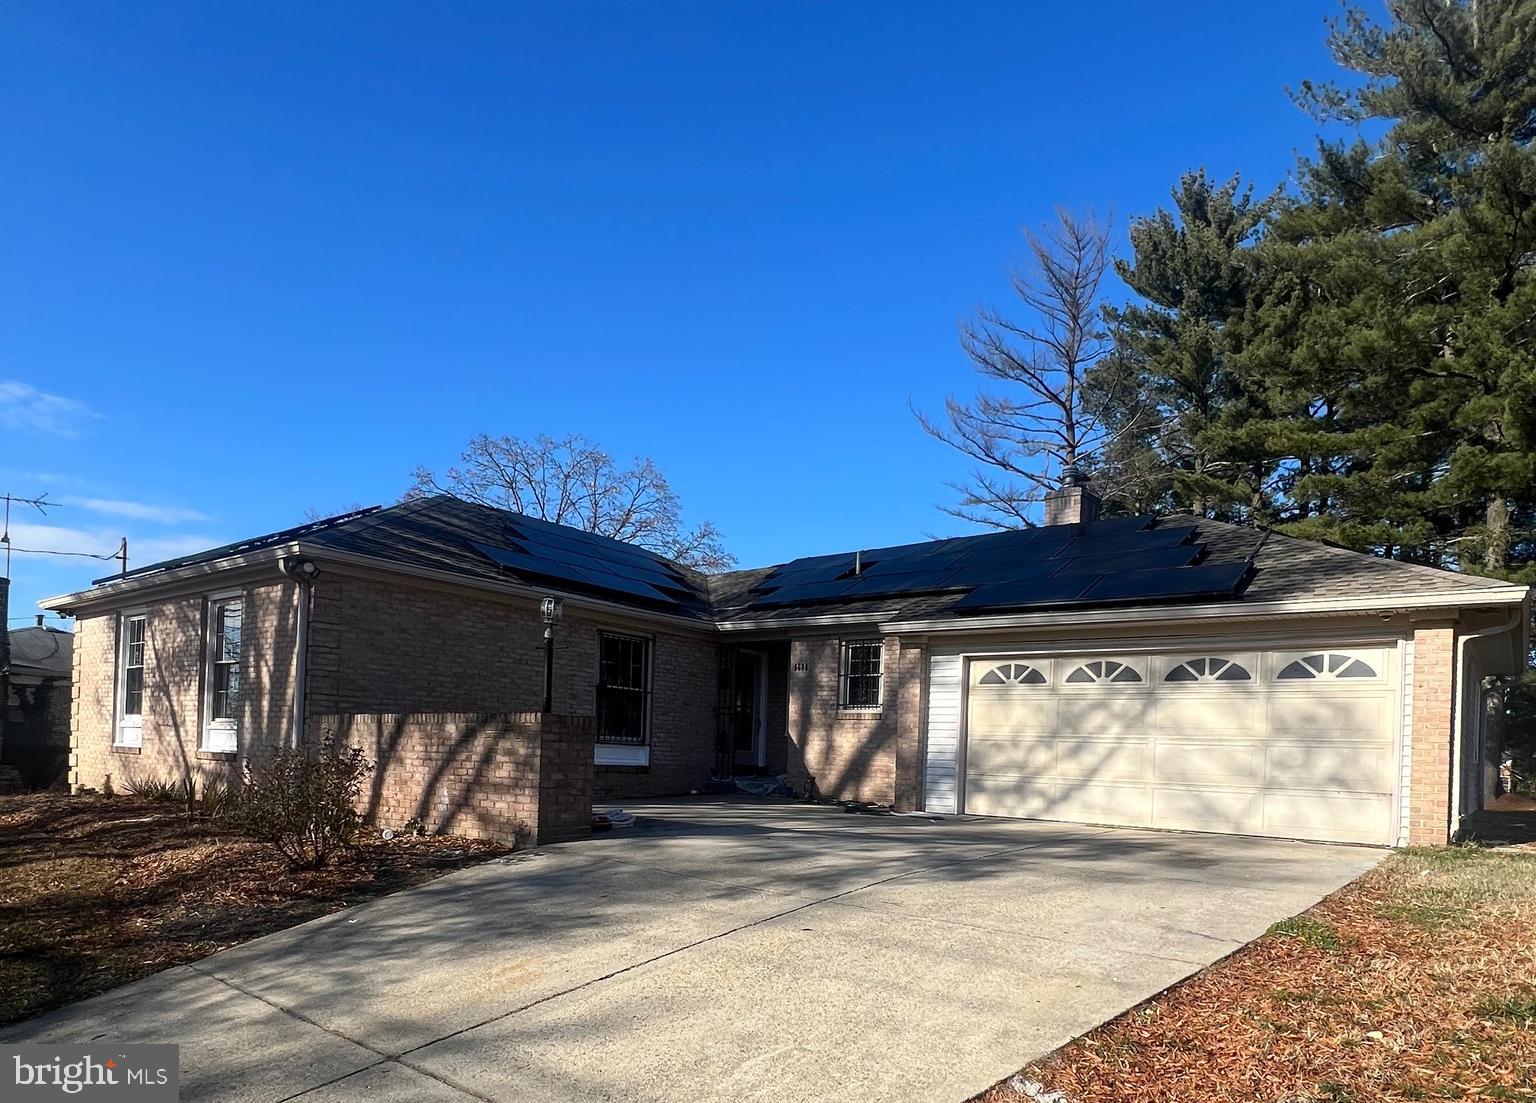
x=261, y=259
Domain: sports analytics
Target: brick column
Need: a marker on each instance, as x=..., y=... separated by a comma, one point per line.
x=565, y=778
x=1434, y=709
x=910, y=700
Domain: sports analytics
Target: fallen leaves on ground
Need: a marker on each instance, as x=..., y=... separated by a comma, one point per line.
x=96, y=891
x=1417, y=981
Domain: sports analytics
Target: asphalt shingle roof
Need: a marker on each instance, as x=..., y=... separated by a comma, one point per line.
x=446, y=534
x=41, y=651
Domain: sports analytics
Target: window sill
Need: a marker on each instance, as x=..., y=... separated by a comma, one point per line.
x=845, y=713
x=621, y=754
x=216, y=756
x=126, y=748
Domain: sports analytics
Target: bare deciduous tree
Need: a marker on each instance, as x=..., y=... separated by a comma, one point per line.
x=571, y=481
x=1024, y=436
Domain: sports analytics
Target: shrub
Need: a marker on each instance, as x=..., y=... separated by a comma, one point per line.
x=155, y=789
x=306, y=807
x=218, y=799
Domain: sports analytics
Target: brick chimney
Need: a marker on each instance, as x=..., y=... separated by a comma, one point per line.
x=1072, y=501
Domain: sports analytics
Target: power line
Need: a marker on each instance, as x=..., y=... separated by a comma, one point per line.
x=42, y=505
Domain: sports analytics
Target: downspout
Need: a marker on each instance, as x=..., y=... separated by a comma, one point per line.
x=303, y=572
x=1458, y=719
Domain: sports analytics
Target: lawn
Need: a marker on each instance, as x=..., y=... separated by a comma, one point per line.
x=97, y=891
x=1417, y=981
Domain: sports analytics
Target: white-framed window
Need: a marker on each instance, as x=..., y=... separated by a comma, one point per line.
x=1209, y=668
x=221, y=679
x=1328, y=665
x=860, y=670
x=1100, y=671
x=1014, y=674
x=128, y=729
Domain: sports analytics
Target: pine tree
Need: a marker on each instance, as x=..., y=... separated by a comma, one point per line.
x=1396, y=323
x=1174, y=352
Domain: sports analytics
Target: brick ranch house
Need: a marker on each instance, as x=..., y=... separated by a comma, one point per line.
x=1158, y=672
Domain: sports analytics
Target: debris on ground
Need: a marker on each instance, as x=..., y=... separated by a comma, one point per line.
x=102, y=890
x=1417, y=981
x=606, y=819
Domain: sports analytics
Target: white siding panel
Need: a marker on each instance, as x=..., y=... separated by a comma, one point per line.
x=941, y=767
x=1406, y=741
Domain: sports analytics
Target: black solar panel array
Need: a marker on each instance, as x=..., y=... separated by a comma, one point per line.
x=1123, y=560
x=541, y=550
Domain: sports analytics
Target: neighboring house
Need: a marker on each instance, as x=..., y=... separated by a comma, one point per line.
x=37, y=712
x=1171, y=673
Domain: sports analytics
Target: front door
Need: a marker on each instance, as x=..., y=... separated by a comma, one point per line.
x=746, y=746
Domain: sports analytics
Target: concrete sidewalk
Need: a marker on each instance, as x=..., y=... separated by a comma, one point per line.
x=721, y=950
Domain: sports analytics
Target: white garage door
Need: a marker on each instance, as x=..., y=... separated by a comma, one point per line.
x=1298, y=744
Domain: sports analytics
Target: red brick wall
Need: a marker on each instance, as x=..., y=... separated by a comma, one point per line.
x=381, y=646
x=910, y=694
x=175, y=634
x=1434, y=700
x=853, y=755
x=518, y=778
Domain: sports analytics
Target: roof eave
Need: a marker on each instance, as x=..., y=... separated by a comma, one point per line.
x=515, y=589
x=108, y=592
x=1490, y=596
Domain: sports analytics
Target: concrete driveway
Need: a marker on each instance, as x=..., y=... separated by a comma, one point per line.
x=720, y=950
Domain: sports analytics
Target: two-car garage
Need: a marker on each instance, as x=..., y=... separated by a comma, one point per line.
x=1299, y=742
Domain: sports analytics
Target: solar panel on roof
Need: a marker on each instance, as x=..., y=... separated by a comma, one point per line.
x=1177, y=582
x=526, y=563
x=1150, y=559
x=1117, y=526
x=519, y=560
x=803, y=592
x=585, y=543
x=1136, y=541
x=1033, y=591
x=909, y=582
x=1123, y=559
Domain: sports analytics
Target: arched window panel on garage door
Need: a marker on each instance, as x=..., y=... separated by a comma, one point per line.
x=1101, y=672
x=1208, y=669
x=1013, y=674
x=1341, y=666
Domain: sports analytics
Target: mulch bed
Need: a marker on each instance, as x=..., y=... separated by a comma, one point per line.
x=96, y=891
x=1416, y=982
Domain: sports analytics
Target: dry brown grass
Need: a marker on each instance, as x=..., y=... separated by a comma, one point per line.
x=1416, y=982
x=96, y=891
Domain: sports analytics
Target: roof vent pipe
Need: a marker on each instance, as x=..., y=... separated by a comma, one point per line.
x=858, y=563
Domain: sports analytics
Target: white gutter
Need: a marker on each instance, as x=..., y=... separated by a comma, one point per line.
x=1491, y=595
x=830, y=620
x=117, y=587
x=1458, y=721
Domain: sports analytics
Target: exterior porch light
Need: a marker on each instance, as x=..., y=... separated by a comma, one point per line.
x=551, y=609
